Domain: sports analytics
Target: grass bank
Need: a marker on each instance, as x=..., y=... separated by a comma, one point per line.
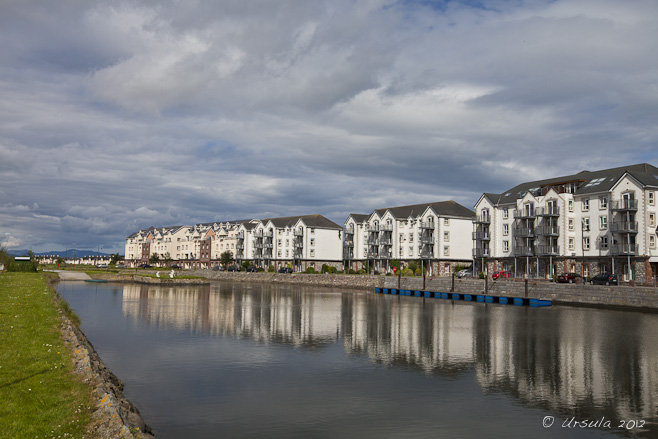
x=41, y=397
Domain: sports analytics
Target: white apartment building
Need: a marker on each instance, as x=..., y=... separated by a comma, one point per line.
x=299, y=242
x=438, y=234
x=587, y=223
x=296, y=241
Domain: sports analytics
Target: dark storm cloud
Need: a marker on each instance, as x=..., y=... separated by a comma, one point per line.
x=120, y=115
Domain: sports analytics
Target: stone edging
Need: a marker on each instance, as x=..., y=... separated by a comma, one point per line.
x=115, y=416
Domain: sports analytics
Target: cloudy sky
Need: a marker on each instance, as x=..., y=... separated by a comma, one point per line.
x=116, y=115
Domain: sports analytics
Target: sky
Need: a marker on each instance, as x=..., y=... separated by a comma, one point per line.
x=120, y=115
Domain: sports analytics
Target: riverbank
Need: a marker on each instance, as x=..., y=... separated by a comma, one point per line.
x=623, y=296
x=53, y=382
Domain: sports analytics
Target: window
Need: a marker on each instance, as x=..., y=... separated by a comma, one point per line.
x=652, y=219
x=572, y=244
x=312, y=241
x=446, y=221
x=570, y=205
x=506, y=213
x=603, y=202
x=446, y=250
x=652, y=241
x=585, y=224
x=586, y=243
x=603, y=223
x=505, y=229
x=278, y=242
x=506, y=246
x=312, y=231
x=604, y=243
x=446, y=236
x=312, y=252
x=278, y=253
x=571, y=224
x=652, y=198
x=585, y=205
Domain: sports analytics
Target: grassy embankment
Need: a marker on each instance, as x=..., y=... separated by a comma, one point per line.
x=41, y=397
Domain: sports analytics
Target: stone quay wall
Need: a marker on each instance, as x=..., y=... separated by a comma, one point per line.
x=578, y=294
x=640, y=297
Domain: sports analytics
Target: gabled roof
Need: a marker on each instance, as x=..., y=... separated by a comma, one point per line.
x=441, y=208
x=310, y=220
x=586, y=182
x=358, y=217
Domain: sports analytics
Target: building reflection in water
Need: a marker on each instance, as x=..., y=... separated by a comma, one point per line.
x=588, y=362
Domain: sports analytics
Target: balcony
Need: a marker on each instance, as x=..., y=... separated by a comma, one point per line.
x=239, y=246
x=483, y=219
x=426, y=225
x=346, y=231
x=426, y=255
x=299, y=244
x=624, y=205
x=372, y=229
x=547, y=211
x=524, y=232
x=481, y=253
x=524, y=213
x=348, y=244
x=268, y=245
x=385, y=255
x=548, y=250
x=301, y=233
x=524, y=251
x=386, y=228
x=373, y=241
x=547, y=231
x=386, y=242
x=481, y=236
x=623, y=227
x=624, y=249
x=427, y=240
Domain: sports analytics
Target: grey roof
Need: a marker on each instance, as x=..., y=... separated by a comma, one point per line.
x=586, y=181
x=441, y=208
x=359, y=217
x=310, y=220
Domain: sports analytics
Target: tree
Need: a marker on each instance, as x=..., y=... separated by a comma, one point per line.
x=154, y=259
x=167, y=259
x=226, y=258
x=114, y=258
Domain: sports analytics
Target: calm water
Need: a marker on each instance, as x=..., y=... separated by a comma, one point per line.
x=250, y=361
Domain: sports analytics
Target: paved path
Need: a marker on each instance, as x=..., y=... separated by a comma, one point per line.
x=71, y=275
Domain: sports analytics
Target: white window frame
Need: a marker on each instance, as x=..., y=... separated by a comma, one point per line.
x=505, y=229
x=603, y=202
x=603, y=222
x=652, y=219
x=586, y=243
x=506, y=246
x=604, y=242
x=586, y=205
x=505, y=213
x=570, y=205
x=652, y=198
x=446, y=250
x=571, y=224
x=572, y=244
x=446, y=236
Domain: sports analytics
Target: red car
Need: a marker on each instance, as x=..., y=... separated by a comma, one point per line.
x=569, y=278
x=501, y=274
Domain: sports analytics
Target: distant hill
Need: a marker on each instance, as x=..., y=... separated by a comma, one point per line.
x=62, y=253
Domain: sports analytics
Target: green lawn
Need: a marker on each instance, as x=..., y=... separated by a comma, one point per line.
x=41, y=397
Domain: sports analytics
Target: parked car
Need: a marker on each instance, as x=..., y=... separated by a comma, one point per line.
x=144, y=266
x=121, y=266
x=102, y=266
x=218, y=268
x=176, y=267
x=252, y=269
x=285, y=270
x=464, y=273
x=234, y=268
x=501, y=275
x=604, y=279
x=569, y=278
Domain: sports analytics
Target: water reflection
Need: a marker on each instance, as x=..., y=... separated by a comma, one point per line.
x=572, y=361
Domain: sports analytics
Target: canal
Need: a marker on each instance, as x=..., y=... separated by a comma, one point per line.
x=238, y=360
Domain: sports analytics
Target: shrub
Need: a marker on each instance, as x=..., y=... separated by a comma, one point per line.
x=407, y=272
x=311, y=270
x=270, y=269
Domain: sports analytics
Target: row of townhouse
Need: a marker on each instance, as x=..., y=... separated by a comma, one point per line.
x=297, y=241
x=437, y=234
x=587, y=223
x=590, y=222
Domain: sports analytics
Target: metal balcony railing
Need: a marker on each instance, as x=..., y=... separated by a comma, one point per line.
x=481, y=252
x=523, y=232
x=524, y=251
x=524, y=213
x=481, y=236
x=624, y=249
x=623, y=227
x=426, y=225
x=627, y=205
x=483, y=219
x=547, y=211
x=547, y=231
x=548, y=250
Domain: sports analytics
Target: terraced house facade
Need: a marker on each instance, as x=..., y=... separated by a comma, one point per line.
x=586, y=223
x=438, y=234
x=298, y=241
